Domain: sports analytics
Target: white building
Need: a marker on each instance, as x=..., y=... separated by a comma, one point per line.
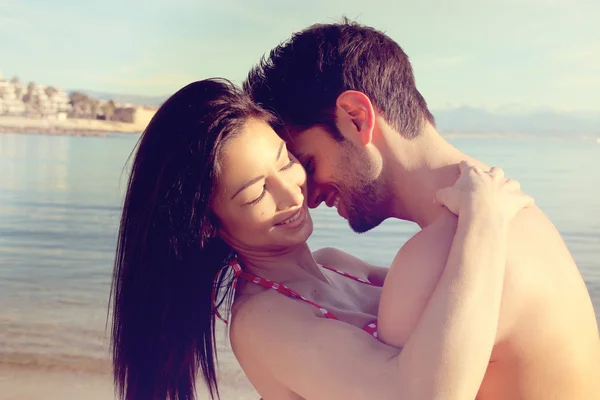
x=10, y=100
x=52, y=104
x=60, y=103
x=42, y=101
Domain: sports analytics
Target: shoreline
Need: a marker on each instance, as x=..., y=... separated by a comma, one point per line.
x=61, y=132
x=61, y=373
x=60, y=383
x=101, y=128
x=22, y=383
x=68, y=127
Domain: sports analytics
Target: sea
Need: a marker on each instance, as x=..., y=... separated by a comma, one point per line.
x=60, y=203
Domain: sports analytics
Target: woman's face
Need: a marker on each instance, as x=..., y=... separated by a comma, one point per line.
x=260, y=195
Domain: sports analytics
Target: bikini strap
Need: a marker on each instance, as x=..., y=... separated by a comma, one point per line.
x=347, y=275
x=268, y=284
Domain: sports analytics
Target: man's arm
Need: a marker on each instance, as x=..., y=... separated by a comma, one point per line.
x=414, y=274
x=420, y=263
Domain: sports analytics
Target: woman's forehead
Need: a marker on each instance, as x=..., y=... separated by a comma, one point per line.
x=246, y=155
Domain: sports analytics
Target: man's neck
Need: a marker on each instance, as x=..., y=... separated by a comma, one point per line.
x=416, y=169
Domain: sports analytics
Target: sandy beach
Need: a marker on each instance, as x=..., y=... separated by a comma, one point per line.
x=32, y=384
x=68, y=127
x=35, y=377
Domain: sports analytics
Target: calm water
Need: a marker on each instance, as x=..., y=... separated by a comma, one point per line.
x=59, y=210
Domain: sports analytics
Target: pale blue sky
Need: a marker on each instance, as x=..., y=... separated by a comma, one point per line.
x=493, y=54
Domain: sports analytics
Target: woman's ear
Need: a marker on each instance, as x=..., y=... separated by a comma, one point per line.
x=209, y=229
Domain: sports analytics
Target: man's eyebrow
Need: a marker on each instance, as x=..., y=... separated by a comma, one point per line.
x=258, y=178
x=300, y=156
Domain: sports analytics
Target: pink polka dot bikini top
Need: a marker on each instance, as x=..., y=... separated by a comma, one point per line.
x=370, y=328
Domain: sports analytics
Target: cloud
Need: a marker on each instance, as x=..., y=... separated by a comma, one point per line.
x=583, y=81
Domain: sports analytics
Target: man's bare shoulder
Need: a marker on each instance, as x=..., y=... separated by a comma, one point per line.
x=421, y=261
x=534, y=244
x=412, y=277
x=435, y=237
x=532, y=227
x=540, y=264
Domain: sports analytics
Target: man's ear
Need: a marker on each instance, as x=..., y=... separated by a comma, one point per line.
x=356, y=116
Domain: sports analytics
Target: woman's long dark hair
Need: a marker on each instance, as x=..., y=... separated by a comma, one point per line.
x=167, y=254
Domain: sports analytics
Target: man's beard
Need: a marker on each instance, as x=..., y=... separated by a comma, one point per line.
x=364, y=205
x=363, y=196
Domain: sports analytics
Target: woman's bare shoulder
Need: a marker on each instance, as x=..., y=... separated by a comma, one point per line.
x=338, y=259
x=331, y=256
x=346, y=262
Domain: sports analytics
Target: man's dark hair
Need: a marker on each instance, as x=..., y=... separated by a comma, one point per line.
x=302, y=78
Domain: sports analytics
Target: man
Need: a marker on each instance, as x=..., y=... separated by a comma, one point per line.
x=350, y=108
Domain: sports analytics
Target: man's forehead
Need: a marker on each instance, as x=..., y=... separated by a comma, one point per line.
x=306, y=140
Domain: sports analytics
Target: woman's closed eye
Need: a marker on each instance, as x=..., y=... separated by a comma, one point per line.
x=259, y=198
x=264, y=188
x=288, y=165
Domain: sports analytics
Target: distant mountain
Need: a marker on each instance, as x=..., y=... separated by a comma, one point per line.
x=510, y=119
x=124, y=98
x=542, y=122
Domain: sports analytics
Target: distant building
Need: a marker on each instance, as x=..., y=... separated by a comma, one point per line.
x=47, y=102
x=59, y=104
x=125, y=114
x=33, y=100
x=10, y=101
x=134, y=114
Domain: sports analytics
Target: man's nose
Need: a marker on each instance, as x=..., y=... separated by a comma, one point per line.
x=315, y=194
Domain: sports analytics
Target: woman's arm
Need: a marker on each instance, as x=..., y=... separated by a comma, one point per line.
x=322, y=359
x=447, y=353
x=457, y=329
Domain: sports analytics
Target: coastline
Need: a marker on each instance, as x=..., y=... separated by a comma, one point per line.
x=101, y=128
x=68, y=127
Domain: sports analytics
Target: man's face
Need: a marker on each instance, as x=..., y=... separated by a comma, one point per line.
x=343, y=176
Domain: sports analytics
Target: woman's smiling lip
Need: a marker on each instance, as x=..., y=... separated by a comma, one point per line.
x=294, y=220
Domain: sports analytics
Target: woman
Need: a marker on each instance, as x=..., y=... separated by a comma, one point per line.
x=216, y=202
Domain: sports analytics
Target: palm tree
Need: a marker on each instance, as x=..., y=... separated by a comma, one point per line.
x=51, y=91
x=96, y=109
x=78, y=102
x=30, y=87
x=109, y=110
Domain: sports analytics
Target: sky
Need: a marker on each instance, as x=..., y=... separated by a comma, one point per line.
x=493, y=54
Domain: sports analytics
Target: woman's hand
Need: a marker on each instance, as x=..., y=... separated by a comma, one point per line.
x=480, y=192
